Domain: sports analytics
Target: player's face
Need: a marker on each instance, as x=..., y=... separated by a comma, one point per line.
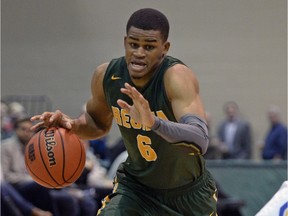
x=145, y=50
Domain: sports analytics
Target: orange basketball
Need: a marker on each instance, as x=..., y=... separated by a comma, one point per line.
x=55, y=157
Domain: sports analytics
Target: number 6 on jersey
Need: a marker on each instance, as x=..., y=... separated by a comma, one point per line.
x=144, y=146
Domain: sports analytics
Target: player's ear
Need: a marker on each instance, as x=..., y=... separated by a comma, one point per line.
x=125, y=38
x=166, y=47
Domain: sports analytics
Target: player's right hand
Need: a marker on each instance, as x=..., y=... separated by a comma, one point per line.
x=140, y=109
x=52, y=119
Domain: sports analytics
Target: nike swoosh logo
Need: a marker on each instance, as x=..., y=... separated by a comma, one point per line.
x=115, y=77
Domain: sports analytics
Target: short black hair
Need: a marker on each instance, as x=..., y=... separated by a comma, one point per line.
x=230, y=103
x=20, y=121
x=149, y=19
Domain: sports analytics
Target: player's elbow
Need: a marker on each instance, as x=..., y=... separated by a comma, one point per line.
x=202, y=146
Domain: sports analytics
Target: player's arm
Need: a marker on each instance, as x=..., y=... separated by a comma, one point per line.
x=182, y=89
x=183, y=92
x=94, y=123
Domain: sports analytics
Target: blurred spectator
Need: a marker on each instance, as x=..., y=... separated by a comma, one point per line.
x=10, y=113
x=275, y=146
x=16, y=111
x=215, y=148
x=114, y=151
x=96, y=174
x=14, y=171
x=115, y=164
x=99, y=148
x=86, y=199
x=6, y=122
x=93, y=180
x=235, y=133
x=13, y=204
x=78, y=203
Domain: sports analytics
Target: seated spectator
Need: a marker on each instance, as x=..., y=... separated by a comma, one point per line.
x=114, y=151
x=235, y=133
x=100, y=150
x=9, y=114
x=14, y=171
x=86, y=199
x=98, y=147
x=13, y=204
x=7, y=128
x=116, y=163
x=94, y=174
x=275, y=146
x=93, y=180
x=16, y=111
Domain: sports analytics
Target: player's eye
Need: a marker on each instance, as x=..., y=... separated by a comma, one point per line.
x=134, y=45
x=149, y=47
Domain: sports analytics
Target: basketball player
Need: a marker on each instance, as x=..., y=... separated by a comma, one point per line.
x=155, y=101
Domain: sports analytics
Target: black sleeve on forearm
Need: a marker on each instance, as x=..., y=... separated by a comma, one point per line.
x=191, y=129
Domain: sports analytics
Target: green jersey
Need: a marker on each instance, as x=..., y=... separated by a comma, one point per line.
x=151, y=160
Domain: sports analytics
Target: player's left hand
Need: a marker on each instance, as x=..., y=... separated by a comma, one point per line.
x=140, y=109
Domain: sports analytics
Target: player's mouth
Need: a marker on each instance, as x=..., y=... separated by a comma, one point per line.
x=137, y=66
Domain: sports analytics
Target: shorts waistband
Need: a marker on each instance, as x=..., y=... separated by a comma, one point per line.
x=124, y=178
x=195, y=185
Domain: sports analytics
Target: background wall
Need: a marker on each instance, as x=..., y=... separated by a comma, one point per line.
x=238, y=50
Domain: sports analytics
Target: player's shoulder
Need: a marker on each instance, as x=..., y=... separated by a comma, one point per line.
x=103, y=68
x=179, y=68
x=179, y=72
x=100, y=71
x=179, y=79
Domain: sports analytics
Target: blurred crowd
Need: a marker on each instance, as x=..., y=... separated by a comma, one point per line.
x=233, y=137
x=20, y=195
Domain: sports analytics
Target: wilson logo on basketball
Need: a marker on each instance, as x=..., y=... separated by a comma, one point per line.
x=50, y=143
x=31, y=152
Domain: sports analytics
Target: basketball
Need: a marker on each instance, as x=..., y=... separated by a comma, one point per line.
x=55, y=157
